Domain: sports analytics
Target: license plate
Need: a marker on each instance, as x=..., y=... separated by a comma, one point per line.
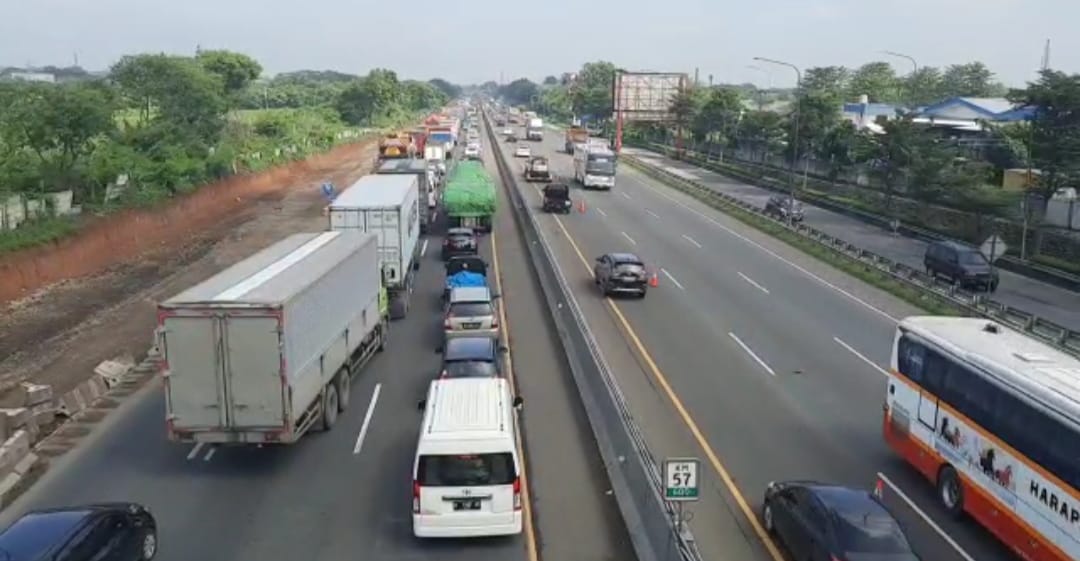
x=474, y=325
x=467, y=505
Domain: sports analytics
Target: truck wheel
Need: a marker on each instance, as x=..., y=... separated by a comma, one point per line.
x=950, y=491
x=344, y=387
x=330, y=408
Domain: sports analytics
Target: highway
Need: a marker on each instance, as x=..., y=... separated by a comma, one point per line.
x=346, y=494
x=1051, y=302
x=755, y=358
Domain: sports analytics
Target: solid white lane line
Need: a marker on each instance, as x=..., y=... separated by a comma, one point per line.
x=367, y=419
x=210, y=454
x=601, y=211
x=926, y=518
x=756, y=285
x=668, y=275
x=625, y=196
x=772, y=253
x=627, y=236
x=195, y=451
x=691, y=240
x=423, y=248
x=752, y=354
x=860, y=356
x=652, y=214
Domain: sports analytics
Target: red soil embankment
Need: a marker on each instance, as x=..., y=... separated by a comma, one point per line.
x=103, y=242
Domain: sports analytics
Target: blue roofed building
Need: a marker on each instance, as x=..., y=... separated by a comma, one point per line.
x=969, y=113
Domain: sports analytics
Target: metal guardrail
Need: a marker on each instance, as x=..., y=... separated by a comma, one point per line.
x=746, y=172
x=632, y=470
x=972, y=303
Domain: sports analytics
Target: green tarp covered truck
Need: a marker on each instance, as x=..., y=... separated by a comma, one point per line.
x=469, y=196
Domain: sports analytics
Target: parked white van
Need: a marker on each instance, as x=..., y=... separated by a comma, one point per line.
x=467, y=473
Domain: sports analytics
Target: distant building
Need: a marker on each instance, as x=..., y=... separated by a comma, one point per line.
x=966, y=114
x=864, y=115
x=32, y=77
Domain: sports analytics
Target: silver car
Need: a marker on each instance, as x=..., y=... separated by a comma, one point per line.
x=471, y=312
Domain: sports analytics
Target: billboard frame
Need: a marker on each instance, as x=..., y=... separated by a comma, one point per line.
x=645, y=96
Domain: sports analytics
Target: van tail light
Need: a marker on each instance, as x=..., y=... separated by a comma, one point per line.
x=517, y=493
x=416, y=497
x=443, y=374
x=494, y=323
x=446, y=323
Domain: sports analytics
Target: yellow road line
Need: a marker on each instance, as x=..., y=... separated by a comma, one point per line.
x=526, y=503
x=698, y=435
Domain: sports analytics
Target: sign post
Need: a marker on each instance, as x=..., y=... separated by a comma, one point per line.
x=992, y=249
x=681, y=484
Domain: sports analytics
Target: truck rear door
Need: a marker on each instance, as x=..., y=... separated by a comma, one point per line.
x=255, y=384
x=385, y=225
x=194, y=386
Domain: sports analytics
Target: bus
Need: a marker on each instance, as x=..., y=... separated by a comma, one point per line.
x=594, y=166
x=992, y=418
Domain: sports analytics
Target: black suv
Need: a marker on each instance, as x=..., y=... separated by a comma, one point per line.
x=621, y=273
x=781, y=206
x=961, y=264
x=113, y=531
x=459, y=241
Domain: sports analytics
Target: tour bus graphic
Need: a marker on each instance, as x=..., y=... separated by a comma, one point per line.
x=975, y=452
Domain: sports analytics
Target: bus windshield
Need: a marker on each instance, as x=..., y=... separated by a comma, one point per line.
x=600, y=166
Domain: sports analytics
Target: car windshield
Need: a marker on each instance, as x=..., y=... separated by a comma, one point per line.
x=629, y=268
x=871, y=534
x=470, y=309
x=470, y=369
x=973, y=258
x=461, y=470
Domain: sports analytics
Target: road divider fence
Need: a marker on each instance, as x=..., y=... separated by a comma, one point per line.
x=932, y=288
x=631, y=468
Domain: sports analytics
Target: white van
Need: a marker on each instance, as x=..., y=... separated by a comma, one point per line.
x=467, y=473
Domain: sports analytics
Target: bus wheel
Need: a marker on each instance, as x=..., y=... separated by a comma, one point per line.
x=950, y=492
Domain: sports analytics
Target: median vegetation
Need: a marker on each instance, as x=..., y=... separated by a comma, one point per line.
x=157, y=126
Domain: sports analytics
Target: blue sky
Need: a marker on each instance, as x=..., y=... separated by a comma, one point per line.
x=468, y=41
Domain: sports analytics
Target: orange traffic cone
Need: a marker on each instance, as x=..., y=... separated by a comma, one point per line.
x=879, y=488
x=581, y=206
x=654, y=280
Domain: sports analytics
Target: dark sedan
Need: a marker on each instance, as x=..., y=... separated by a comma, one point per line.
x=621, y=273
x=471, y=357
x=459, y=241
x=114, y=531
x=784, y=208
x=822, y=522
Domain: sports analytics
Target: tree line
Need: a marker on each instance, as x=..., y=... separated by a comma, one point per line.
x=169, y=123
x=908, y=158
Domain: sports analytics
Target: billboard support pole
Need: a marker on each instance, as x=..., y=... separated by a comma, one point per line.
x=618, y=113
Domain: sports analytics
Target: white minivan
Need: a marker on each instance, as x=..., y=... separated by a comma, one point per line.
x=467, y=472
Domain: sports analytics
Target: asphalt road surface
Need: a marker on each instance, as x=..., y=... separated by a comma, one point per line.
x=343, y=494
x=1053, y=303
x=756, y=358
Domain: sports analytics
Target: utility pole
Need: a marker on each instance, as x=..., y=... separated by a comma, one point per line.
x=914, y=70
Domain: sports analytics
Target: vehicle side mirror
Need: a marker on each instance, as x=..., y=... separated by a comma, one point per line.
x=518, y=402
x=495, y=295
x=504, y=349
x=422, y=404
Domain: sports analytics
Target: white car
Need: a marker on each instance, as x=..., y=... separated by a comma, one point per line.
x=508, y=131
x=472, y=151
x=522, y=151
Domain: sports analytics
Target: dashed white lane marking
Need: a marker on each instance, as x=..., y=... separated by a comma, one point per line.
x=423, y=248
x=652, y=214
x=194, y=451
x=775, y=255
x=752, y=354
x=601, y=211
x=691, y=240
x=210, y=454
x=625, y=196
x=755, y=284
x=859, y=355
x=367, y=419
x=672, y=278
x=926, y=518
x=627, y=236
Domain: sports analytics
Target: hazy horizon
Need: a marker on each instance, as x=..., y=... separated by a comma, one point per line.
x=490, y=39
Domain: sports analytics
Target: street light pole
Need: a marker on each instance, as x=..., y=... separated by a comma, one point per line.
x=794, y=136
x=914, y=68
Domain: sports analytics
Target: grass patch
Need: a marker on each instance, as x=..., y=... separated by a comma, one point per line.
x=836, y=259
x=1058, y=263
x=36, y=232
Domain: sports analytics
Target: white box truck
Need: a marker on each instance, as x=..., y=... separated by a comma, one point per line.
x=534, y=129
x=418, y=168
x=265, y=350
x=594, y=166
x=389, y=207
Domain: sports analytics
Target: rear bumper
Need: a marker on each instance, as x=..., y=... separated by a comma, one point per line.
x=431, y=526
x=489, y=333
x=269, y=436
x=640, y=286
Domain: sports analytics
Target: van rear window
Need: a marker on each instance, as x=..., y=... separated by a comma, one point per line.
x=470, y=309
x=466, y=470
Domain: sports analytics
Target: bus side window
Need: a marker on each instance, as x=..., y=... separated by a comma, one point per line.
x=970, y=394
x=936, y=366
x=910, y=359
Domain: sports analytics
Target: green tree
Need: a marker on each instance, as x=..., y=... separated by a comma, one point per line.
x=555, y=102
x=891, y=155
x=923, y=87
x=684, y=108
x=592, y=90
x=876, y=80
x=839, y=148
x=831, y=81
x=763, y=131
x=973, y=79
x=551, y=81
x=519, y=92
x=1055, y=131
x=235, y=70
x=818, y=114
x=420, y=96
x=174, y=90
x=719, y=116
x=451, y=91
